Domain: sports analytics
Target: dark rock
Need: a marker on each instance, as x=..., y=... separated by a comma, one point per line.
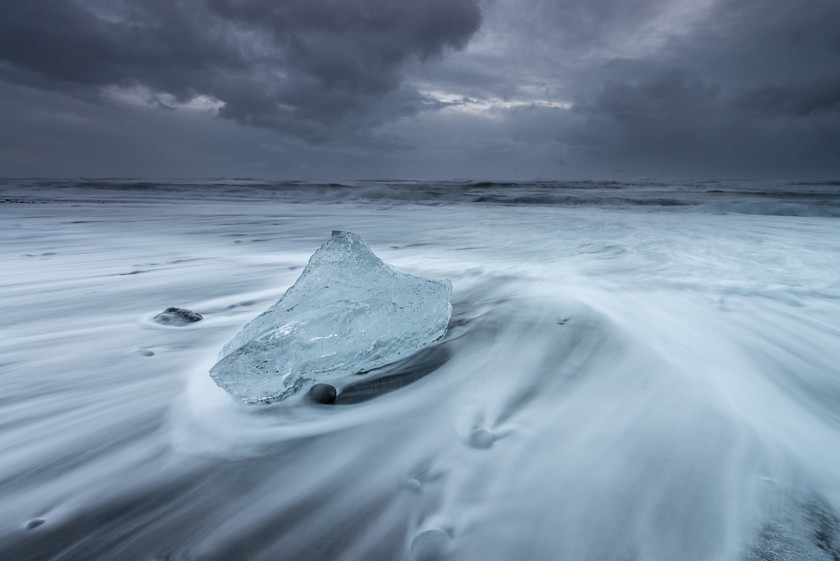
x=481, y=438
x=177, y=316
x=430, y=545
x=34, y=523
x=322, y=393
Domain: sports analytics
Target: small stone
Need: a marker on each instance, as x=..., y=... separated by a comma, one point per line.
x=177, y=316
x=147, y=352
x=34, y=523
x=481, y=438
x=429, y=545
x=323, y=393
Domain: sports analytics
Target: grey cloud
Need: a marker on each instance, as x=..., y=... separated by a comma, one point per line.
x=575, y=26
x=667, y=98
x=342, y=60
x=159, y=45
x=356, y=44
x=755, y=90
x=794, y=98
x=746, y=43
x=669, y=117
x=677, y=87
x=675, y=123
x=592, y=21
x=308, y=68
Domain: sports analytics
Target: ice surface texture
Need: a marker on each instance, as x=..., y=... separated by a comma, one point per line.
x=348, y=312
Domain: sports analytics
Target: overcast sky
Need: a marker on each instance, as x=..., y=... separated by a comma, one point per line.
x=426, y=89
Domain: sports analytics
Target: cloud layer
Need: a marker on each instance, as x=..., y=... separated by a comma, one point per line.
x=425, y=88
x=307, y=68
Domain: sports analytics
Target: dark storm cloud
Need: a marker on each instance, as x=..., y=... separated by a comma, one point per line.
x=309, y=68
x=741, y=87
x=596, y=21
x=481, y=88
x=668, y=98
x=59, y=44
x=795, y=98
x=359, y=44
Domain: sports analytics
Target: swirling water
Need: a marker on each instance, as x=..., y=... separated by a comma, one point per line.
x=633, y=371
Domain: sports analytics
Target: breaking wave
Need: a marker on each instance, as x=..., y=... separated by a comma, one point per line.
x=819, y=199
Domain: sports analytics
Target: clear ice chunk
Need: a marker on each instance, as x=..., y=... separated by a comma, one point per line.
x=348, y=312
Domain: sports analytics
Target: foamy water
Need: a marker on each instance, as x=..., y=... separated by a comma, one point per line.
x=641, y=371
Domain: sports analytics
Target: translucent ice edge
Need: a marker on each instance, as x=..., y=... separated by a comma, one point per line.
x=348, y=312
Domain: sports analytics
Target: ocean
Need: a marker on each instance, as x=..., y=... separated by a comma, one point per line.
x=634, y=370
